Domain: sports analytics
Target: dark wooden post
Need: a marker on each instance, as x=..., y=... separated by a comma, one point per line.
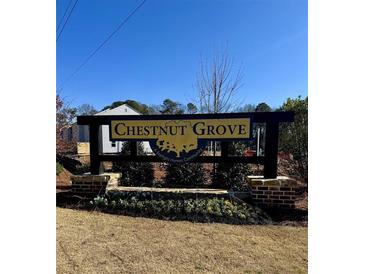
x=134, y=148
x=95, y=164
x=271, y=149
x=224, y=149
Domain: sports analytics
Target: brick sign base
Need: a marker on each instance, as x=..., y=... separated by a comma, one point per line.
x=281, y=192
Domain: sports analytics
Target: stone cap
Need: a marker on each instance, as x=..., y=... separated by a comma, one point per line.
x=113, y=176
x=257, y=180
x=169, y=190
x=87, y=178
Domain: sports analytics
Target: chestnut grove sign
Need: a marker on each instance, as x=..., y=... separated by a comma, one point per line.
x=180, y=140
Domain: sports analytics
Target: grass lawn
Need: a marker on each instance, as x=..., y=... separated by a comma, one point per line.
x=92, y=242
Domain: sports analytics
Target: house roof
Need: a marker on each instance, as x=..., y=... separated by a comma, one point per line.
x=106, y=112
x=116, y=110
x=128, y=106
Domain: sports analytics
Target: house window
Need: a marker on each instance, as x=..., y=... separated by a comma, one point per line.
x=83, y=133
x=114, y=144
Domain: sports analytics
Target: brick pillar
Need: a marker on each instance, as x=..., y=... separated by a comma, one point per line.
x=89, y=185
x=281, y=192
x=93, y=185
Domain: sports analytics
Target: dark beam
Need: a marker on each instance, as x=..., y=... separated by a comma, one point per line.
x=257, y=117
x=200, y=159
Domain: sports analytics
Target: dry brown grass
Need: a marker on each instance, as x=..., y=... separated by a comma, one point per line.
x=101, y=243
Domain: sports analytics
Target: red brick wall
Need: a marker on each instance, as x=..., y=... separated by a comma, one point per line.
x=274, y=196
x=89, y=184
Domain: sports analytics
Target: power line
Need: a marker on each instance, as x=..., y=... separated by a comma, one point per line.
x=103, y=43
x=68, y=17
x=64, y=14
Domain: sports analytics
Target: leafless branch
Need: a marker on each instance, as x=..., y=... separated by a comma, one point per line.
x=216, y=84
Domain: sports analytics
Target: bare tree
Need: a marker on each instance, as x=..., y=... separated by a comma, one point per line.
x=64, y=117
x=217, y=85
x=86, y=109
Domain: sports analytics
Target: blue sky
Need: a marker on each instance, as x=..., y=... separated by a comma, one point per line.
x=156, y=54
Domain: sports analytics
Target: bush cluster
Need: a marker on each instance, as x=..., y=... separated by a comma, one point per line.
x=134, y=173
x=225, y=175
x=184, y=174
x=205, y=210
x=82, y=169
x=232, y=175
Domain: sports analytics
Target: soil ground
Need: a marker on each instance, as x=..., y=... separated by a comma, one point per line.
x=93, y=242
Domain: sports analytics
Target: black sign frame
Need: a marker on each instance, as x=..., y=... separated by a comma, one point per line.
x=269, y=160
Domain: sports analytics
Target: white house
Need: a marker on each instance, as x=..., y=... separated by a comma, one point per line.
x=113, y=147
x=80, y=133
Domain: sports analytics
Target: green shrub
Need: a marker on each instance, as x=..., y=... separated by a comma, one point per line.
x=81, y=169
x=134, y=173
x=100, y=202
x=293, y=137
x=59, y=168
x=231, y=175
x=184, y=174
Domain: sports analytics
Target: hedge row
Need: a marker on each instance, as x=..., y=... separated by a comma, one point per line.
x=201, y=210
